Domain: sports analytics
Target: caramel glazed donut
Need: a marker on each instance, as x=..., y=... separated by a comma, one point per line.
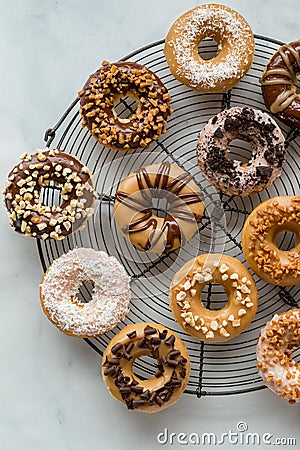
x=232, y=176
x=274, y=349
x=133, y=207
x=279, y=80
x=106, y=87
x=188, y=309
x=109, y=300
x=173, y=367
x=235, y=42
x=261, y=228
x=26, y=211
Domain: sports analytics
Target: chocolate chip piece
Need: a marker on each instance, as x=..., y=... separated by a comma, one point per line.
x=145, y=395
x=127, y=356
x=137, y=403
x=156, y=341
x=163, y=334
x=110, y=371
x=218, y=133
x=264, y=172
x=116, y=348
x=129, y=347
x=172, y=362
x=159, y=400
x=113, y=362
x=173, y=353
x=124, y=390
x=142, y=343
x=152, y=397
x=132, y=335
x=214, y=119
x=149, y=330
x=183, y=361
x=170, y=340
x=182, y=373
x=137, y=389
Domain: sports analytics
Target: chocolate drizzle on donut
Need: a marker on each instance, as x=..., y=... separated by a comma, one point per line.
x=278, y=84
x=168, y=188
x=133, y=394
x=104, y=89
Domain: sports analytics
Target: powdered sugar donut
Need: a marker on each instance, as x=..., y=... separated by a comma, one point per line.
x=233, y=36
x=110, y=296
x=232, y=176
x=274, y=348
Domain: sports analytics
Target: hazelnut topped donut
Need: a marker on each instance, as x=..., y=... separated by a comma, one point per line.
x=261, y=228
x=280, y=372
x=232, y=176
x=173, y=367
x=210, y=325
x=235, y=42
x=106, y=87
x=27, y=212
x=279, y=80
x=134, y=212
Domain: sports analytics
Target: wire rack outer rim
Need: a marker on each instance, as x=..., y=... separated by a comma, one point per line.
x=49, y=137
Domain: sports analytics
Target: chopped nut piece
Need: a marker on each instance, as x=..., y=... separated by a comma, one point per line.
x=224, y=268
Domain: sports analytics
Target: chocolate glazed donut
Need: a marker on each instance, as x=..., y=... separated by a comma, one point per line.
x=278, y=84
x=133, y=207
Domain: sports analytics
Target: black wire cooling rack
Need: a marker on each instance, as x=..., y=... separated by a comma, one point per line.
x=216, y=369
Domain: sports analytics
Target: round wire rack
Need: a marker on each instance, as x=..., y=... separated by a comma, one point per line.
x=216, y=369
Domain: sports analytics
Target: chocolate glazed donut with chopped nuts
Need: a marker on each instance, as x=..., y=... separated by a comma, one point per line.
x=210, y=325
x=27, y=213
x=173, y=367
x=261, y=228
x=232, y=176
x=106, y=87
x=279, y=80
x=280, y=372
x=133, y=207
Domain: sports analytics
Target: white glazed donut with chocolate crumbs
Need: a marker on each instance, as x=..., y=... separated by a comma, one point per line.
x=231, y=176
x=233, y=36
x=276, y=342
x=27, y=212
x=110, y=297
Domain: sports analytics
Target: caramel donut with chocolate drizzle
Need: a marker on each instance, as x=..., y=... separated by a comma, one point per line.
x=29, y=215
x=279, y=80
x=134, y=214
x=106, y=87
x=173, y=367
x=279, y=371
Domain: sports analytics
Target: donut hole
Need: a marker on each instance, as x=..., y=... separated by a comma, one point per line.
x=125, y=107
x=239, y=150
x=160, y=207
x=214, y=297
x=85, y=292
x=286, y=240
x=50, y=194
x=208, y=48
x=144, y=367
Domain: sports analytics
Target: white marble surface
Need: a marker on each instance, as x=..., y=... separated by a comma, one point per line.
x=51, y=393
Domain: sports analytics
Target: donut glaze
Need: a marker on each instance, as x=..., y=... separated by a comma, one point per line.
x=134, y=213
x=232, y=176
x=235, y=42
x=209, y=325
x=173, y=367
x=109, y=300
x=276, y=342
x=106, y=87
x=28, y=214
x=261, y=228
x=279, y=80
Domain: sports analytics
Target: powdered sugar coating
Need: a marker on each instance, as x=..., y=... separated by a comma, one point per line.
x=110, y=297
x=235, y=47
